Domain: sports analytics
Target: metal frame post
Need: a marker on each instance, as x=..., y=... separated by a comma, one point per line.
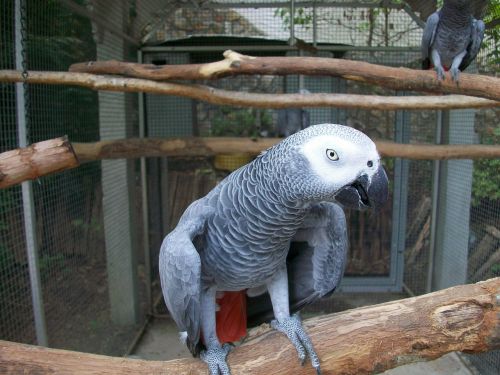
x=27, y=190
x=441, y=117
x=144, y=196
x=394, y=281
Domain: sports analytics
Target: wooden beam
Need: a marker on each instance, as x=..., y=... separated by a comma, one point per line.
x=244, y=99
x=238, y=64
x=366, y=340
x=194, y=146
x=58, y=154
x=36, y=160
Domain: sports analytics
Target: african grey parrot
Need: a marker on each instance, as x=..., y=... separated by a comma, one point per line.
x=292, y=120
x=451, y=39
x=270, y=237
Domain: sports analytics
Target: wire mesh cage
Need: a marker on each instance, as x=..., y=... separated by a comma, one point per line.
x=440, y=228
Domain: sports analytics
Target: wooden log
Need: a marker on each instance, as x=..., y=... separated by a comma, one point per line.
x=243, y=99
x=194, y=146
x=238, y=64
x=361, y=341
x=416, y=249
x=36, y=160
x=418, y=217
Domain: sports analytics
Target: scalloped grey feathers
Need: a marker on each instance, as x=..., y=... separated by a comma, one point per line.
x=237, y=236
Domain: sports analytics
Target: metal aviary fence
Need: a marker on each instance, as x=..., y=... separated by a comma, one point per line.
x=78, y=260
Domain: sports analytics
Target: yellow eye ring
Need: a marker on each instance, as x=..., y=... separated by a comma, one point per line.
x=332, y=154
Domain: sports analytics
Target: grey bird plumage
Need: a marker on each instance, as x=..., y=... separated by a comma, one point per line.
x=452, y=38
x=273, y=228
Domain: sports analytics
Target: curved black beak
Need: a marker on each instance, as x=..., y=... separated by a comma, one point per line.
x=365, y=192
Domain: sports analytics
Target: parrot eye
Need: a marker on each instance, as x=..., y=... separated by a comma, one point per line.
x=331, y=154
x=369, y=164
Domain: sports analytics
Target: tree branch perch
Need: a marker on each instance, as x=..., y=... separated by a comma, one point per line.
x=238, y=64
x=195, y=146
x=36, y=160
x=244, y=99
x=361, y=341
x=58, y=154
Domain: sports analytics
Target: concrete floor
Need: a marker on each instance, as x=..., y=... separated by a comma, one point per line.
x=161, y=342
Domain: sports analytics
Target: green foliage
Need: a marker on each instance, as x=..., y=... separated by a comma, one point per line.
x=231, y=122
x=491, y=43
x=302, y=17
x=486, y=179
x=495, y=270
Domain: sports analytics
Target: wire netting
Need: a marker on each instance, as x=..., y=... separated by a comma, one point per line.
x=74, y=246
x=86, y=217
x=15, y=297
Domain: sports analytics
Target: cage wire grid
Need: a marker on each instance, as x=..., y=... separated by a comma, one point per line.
x=74, y=207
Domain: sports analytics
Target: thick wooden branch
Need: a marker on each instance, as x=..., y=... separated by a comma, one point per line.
x=58, y=154
x=39, y=159
x=190, y=147
x=243, y=99
x=237, y=64
x=361, y=341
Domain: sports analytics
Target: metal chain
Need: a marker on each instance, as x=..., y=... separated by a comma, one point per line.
x=24, y=63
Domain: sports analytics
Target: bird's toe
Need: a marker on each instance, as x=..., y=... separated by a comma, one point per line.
x=215, y=358
x=292, y=327
x=440, y=73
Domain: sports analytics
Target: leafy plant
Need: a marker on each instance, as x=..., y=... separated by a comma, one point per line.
x=301, y=17
x=491, y=42
x=486, y=179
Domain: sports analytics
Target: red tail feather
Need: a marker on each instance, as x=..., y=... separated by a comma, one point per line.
x=444, y=67
x=231, y=319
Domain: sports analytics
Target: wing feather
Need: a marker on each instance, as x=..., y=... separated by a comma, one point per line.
x=476, y=38
x=428, y=37
x=180, y=271
x=315, y=262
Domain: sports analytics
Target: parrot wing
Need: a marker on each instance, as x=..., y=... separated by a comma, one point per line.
x=476, y=38
x=180, y=271
x=428, y=39
x=315, y=262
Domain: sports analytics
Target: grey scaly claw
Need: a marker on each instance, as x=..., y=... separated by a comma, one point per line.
x=455, y=74
x=215, y=358
x=292, y=327
x=440, y=73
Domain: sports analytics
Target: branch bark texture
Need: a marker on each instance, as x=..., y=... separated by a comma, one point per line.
x=237, y=64
x=192, y=147
x=244, y=99
x=39, y=159
x=361, y=341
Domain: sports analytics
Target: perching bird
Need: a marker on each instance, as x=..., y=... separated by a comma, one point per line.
x=292, y=120
x=272, y=228
x=451, y=39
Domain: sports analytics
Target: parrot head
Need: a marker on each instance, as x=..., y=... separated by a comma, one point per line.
x=337, y=163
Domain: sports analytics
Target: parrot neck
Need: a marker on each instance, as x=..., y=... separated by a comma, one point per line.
x=455, y=15
x=288, y=183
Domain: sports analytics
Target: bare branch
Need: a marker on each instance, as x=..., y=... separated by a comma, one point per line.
x=190, y=147
x=39, y=159
x=361, y=341
x=225, y=97
x=237, y=64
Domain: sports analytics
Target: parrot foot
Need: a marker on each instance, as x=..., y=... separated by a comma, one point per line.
x=292, y=327
x=215, y=358
x=455, y=74
x=440, y=72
